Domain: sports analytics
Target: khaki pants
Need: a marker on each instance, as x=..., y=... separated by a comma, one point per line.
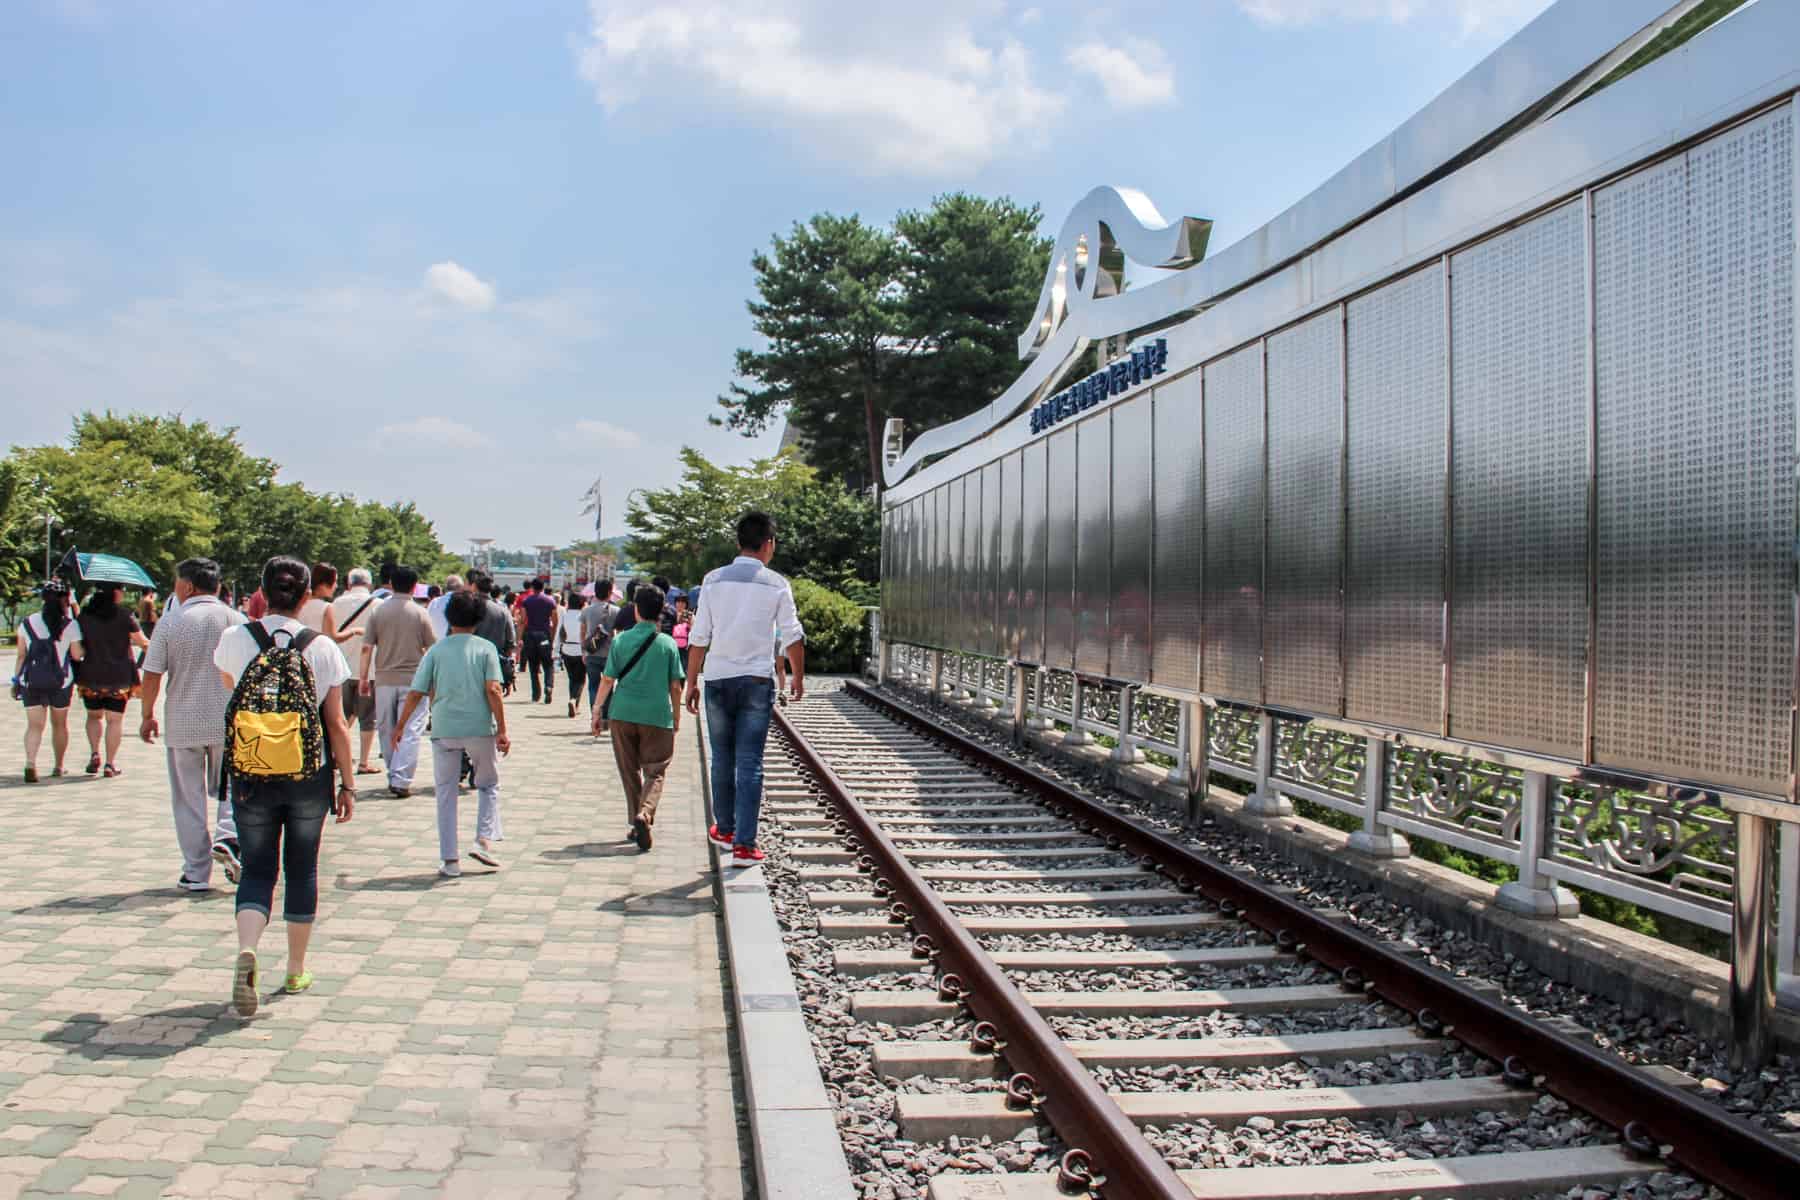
x=643, y=753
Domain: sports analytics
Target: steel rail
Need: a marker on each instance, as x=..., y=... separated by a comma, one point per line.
x=1108, y=1153
x=1655, y=1119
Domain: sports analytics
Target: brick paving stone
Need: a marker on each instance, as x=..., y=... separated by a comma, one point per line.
x=556, y=1028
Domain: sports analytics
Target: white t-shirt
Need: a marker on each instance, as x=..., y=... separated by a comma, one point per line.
x=238, y=649
x=434, y=612
x=341, y=608
x=568, y=632
x=312, y=613
x=68, y=639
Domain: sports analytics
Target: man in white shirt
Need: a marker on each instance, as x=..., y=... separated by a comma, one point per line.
x=740, y=604
x=440, y=625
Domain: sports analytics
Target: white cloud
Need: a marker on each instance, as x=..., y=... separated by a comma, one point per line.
x=1471, y=16
x=1133, y=73
x=605, y=433
x=460, y=286
x=886, y=88
x=433, y=432
x=1031, y=16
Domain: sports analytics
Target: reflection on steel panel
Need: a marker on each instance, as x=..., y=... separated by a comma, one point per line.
x=1130, y=576
x=914, y=564
x=1093, y=547
x=989, y=640
x=1306, y=418
x=1518, y=607
x=1694, y=299
x=1010, y=545
x=1035, y=535
x=1394, y=582
x=1179, y=550
x=1059, y=562
x=1234, y=526
x=938, y=583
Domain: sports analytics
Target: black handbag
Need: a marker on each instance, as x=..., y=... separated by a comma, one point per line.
x=606, y=708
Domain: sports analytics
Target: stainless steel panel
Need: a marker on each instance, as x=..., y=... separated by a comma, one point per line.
x=1232, y=654
x=950, y=637
x=973, y=551
x=1518, y=612
x=1059, y=561
x=1093, y=543
x=1306, y=421
x=1694, y=350
x=914, y=562
x=1394, y=579
x=1179, y=552
x=989, y=615
x=1011, y=545
x=1129, y=623
x=1035, y=539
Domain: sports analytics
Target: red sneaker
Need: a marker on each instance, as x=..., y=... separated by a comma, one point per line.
x=721, y=840
x=746, y=856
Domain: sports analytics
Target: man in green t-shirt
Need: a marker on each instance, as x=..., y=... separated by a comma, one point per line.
x=461, y=675
x=640, y=691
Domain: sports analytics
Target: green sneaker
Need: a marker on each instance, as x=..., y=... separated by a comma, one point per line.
x=298, y=983
x=243, y=984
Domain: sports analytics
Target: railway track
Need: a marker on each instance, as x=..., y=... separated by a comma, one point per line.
x=1036, y=959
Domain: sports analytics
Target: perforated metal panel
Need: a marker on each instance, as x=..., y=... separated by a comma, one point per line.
x=1518, y=608
x=1393, y=619
x=1093, y=549
x=989, y=640
x=1695, y=364
x=1035, y=538
x=1306, y=418
x=1059, y=561
x=1129, y=623
x=1011, y=547
x=1232, y=655
x=1179, y=550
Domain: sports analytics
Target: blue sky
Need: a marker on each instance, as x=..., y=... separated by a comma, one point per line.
x=475, y=254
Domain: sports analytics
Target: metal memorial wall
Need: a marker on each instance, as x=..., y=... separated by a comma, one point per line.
x=1537, y=494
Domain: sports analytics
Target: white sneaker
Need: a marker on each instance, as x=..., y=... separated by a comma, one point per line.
x=450, y=870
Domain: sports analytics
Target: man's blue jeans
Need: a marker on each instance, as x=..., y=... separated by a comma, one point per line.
x=738, y=712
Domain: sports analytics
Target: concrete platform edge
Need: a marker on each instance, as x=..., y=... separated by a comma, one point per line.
x=1640, y=973
x=793, y=1126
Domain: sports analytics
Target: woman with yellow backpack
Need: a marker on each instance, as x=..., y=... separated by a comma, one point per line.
x=285, y=738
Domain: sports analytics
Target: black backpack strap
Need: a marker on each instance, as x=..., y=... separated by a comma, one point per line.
x=260, y=632
x=303, y=639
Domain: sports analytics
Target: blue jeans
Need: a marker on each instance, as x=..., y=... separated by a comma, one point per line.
x=279, y=824
x=596, y=667
x=738, y=712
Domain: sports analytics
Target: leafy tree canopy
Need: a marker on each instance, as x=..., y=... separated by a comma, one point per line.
x=861, y=323
x=825, y=531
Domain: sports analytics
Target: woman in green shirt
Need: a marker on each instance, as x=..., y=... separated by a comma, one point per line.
x=640, y=699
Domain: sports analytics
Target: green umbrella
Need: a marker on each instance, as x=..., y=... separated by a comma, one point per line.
x=110, y=568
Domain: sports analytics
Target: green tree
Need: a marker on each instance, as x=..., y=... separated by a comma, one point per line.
x=18, y=525
x=863, y=323
x=122, y=501
x=826, y=532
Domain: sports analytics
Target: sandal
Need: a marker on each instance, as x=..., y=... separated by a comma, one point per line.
x=93, y=767
x=111, y=772
x=56, y=773
x=31, y=775
x=368, y=770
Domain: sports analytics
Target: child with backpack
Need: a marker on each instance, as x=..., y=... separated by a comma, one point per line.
x=49, y=646
x=285, y=740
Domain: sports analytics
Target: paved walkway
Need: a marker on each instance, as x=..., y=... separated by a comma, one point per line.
x=554, y=1029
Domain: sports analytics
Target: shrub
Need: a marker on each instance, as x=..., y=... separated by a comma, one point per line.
x=836, y=629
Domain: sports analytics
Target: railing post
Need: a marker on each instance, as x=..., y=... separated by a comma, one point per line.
x=1372, y=839
x=1535, y=894
x=1126, y=751
x=884, y=656
x=936, y=667
x=1199, y=752
x=1266, y=801
x=1752, y=975
x=1021, y=703
x=1787, y=923
x=1035, y=718
x=1077, y=736
x=1184, y=746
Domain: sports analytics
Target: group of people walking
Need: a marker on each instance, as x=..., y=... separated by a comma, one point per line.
x=256, y=714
